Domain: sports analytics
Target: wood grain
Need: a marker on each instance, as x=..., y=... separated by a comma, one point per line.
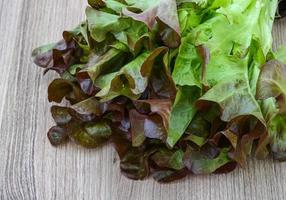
x=30, y=168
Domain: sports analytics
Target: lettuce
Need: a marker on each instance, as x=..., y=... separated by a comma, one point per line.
x=178, y=87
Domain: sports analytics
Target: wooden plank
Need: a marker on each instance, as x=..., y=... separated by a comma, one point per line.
x=30, y=168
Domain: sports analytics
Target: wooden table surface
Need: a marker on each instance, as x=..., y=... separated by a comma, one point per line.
x=30, y=168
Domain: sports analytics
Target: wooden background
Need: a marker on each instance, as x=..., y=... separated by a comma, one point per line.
x=30, y=168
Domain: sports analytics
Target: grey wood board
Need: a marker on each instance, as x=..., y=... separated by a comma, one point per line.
x=30, y=168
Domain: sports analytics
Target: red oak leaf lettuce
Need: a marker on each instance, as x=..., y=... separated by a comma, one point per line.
x=177, y=87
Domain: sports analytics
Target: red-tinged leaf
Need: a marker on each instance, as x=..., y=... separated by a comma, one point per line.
x=169, y=37
x=96, y=3
x=146, y=126
x=121, y=140
x=85, y=83
x=163, y=13
x=198, y=131
x=225, y=138
x=60, y=56
x=200, y=162
x=161, y=107
x=241, y=133
x=229, y=167
x=272, y=83
x=165, y=10
x=134, y=164
x=60, y=88
x=57, y=135
x=166, y=176
x=235, y=100
x=171, y=159
x=88, y=109
x=161, y=83
x=89, y=135
x=61, y=115
x=133, y=160
x=204, y=53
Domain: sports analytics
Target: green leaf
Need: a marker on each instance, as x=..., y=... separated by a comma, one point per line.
x=190, y=16
x=100, y=23
x=188, y=68
x=197, y=163
x=115, y=5
x=97, y=65
x=198, y=130
x=171, y=159
x=182, y=113
x=176, y=160
x=131, y=80
x=277, y=133
x=237, y=25
x=75, y=68
x=134, y=36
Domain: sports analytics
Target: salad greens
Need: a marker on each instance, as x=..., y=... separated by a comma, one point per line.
x=178, y=87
